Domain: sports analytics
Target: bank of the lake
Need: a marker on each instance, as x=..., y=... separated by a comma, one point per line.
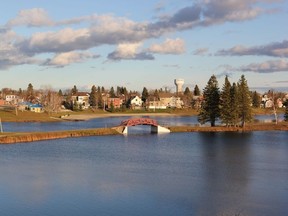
x=12, y=137
x=8, y=138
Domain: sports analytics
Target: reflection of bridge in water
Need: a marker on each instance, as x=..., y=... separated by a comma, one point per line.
x=155, y=128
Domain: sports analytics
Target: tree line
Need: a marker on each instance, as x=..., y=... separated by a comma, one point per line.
x=231, y=105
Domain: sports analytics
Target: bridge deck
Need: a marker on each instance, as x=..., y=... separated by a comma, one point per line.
x=139, y=121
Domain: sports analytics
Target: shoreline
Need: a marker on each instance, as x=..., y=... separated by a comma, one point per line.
x=16, y=137
x=85, y=117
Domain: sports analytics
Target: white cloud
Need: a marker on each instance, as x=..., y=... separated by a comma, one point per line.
x=32, y=18
x=129, y=52
x=201, y=51
x=266, y=67
x=277, y=49
x=64, y=59
x=111, y=30
x=169, y=46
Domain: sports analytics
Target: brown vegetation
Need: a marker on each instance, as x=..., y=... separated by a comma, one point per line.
x=283, y=126
x=7, y=138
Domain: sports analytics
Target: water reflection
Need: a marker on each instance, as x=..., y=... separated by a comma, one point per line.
x=171, y=174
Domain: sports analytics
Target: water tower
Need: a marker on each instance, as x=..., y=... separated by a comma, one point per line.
x=179, y=84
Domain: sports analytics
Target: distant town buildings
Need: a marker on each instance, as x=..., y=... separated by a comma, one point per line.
x=159, y=99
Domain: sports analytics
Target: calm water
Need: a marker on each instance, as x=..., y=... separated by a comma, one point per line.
x=109, y=122
x=142, y=174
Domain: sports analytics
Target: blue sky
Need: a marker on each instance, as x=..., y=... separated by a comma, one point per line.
x=60, y=43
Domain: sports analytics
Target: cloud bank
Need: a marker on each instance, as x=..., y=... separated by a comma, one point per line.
x=276, y=49
x=68, y=42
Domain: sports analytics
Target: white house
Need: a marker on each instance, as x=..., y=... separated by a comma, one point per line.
x=81, y=98
x=136, y=102
x=13, y=99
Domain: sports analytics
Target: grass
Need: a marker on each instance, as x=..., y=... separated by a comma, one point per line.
x=9, y=115
x=7, y=138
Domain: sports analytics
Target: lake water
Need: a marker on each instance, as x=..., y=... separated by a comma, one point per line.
x=108, y=122
x=176, y=174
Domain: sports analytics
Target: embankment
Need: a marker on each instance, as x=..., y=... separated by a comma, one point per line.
x=250, y=127
x=8, y=138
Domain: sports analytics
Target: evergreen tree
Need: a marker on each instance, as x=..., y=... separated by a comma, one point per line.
x=30, y=93
x=256, y=99
x=74, y=90
x=196, y=91
x=112, y=92
x=60, y=93
x=99, y=100
x=234, y=105
x=156, y=94
x=187, y=92
x=225, y=103
x=145, y=94
x=102, y=89
x=286, y=110
x=209, y=111
x=244, y=100
x=93, y=96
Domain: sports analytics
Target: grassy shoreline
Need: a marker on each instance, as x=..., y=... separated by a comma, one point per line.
x=27, y=116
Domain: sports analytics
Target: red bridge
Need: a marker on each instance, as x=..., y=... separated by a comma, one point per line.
x=155, y=128
x=139, y=121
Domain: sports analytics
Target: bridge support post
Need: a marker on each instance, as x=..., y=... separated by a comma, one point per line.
x=159, y=129
x=125, y=130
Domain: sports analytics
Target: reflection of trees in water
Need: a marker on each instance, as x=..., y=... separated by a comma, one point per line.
x=226, y=159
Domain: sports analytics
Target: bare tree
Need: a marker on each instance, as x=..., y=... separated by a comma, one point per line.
x=51, y=100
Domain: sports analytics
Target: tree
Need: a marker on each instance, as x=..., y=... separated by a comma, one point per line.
x=209, y=111
x=93, y=96
x=156, y=94
x=234, y=105
x=30, y=93
x=145, y=94
x=74, y=90
x=187, y=97
x=50, y=100
x=112, y=92
x=187, y=92
x=225, y=103
x=256, y=99
x=60, y=93
x=286, y=111
x=196, y=91
x=244, y=101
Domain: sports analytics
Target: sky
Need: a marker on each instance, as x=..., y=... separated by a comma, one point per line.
x=136, y=44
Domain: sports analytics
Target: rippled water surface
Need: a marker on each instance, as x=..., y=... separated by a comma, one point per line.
x=144, y=174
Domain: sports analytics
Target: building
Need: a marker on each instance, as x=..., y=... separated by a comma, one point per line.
x=179, y=85
x=13, y=99
x=81, y=99
x=36, y=108
x=116, y=102
x=136, y=102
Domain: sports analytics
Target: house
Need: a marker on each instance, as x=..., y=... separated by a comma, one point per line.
x=116, y=102
x=82, y=99
x=279, y=103
x=2, y=102
x=268, y=104
x=37, y=108
x=156, y=105
x=170, y=101
x=136, y=102
x=24, y=106
x=13, y=99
